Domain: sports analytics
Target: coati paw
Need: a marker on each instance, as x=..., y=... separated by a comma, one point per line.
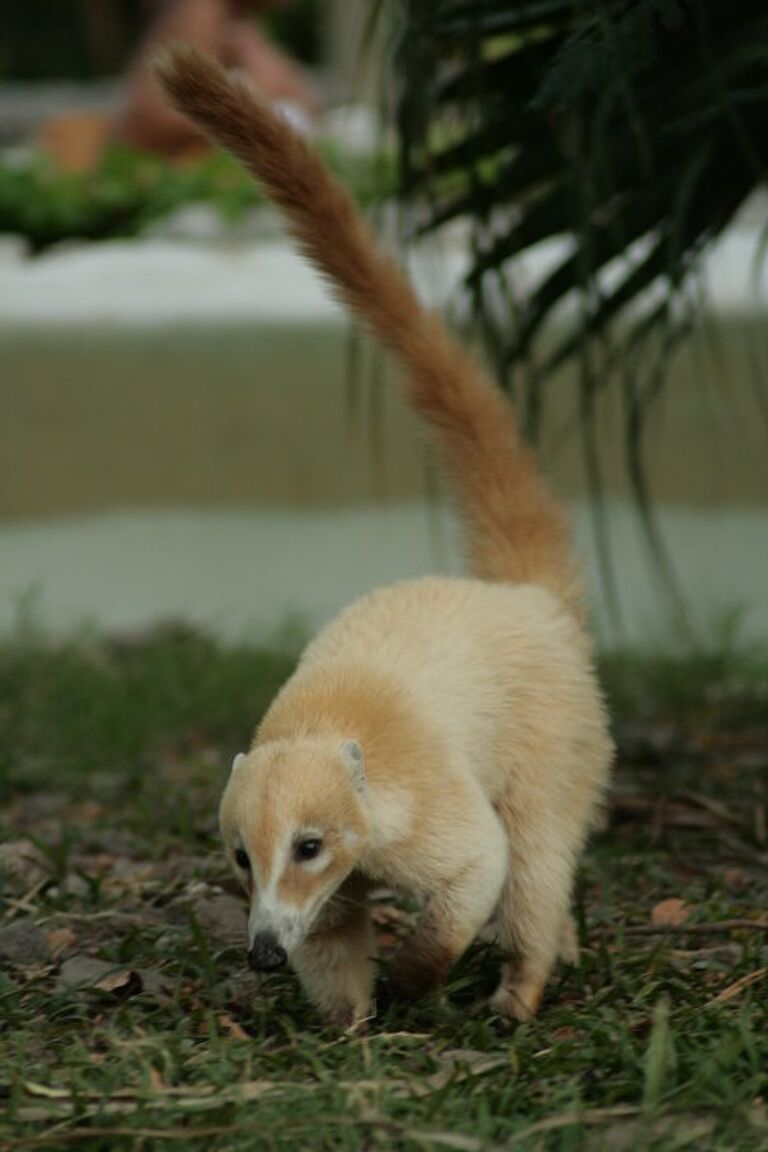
x=517, y=1001
x=351, y=1019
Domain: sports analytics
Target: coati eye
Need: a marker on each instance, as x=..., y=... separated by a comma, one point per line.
x=242, y=860
x=308, y=849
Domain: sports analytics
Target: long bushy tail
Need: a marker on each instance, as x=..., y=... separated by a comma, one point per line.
x=516, y=530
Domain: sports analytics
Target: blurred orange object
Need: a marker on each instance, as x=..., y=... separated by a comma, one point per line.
x=76, y=140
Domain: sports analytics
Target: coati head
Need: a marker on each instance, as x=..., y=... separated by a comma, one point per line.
x=294, y=822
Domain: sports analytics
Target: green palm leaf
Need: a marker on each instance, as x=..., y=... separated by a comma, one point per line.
x=607, y=120
x=629, y=131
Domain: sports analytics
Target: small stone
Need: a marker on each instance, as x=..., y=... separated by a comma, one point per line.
x=23, y=864
x=242, y=989
x=88, y=973
x=154, y=983
x=224, y=919
x=76, y=886
x=85, y=972
x=22, y=944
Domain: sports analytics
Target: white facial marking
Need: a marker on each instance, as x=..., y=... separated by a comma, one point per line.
x=255, y=921
x=270, y=914
x=238, y=761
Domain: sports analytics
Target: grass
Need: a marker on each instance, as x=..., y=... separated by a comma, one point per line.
x=112, y=754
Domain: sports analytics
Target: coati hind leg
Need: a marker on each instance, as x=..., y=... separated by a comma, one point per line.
x=534, y=924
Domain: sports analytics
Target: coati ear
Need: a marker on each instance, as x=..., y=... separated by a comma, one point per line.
x=238, y=761
x=352, y=755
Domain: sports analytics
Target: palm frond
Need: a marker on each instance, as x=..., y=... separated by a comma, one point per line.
x=624, y=134
x=609, y=121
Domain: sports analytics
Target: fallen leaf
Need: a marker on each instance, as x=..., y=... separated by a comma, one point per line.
x=670, y=913
x=232, y=1027
x=88, y=972
x=739, y=985
x=60, y=940
x=127, y=982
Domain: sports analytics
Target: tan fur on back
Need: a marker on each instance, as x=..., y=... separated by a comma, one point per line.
x=445, y=736
x=483, y=681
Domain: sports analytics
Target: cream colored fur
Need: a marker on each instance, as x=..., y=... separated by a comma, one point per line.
x=443, y=736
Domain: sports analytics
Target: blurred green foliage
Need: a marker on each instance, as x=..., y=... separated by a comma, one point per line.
x=631, y=132
x=129, y=191
x=597, y=149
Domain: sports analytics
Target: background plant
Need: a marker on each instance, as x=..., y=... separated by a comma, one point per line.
x=630, y=132
x=128, y=191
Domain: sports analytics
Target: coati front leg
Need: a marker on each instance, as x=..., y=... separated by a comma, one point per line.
x=335, y=966
x=464, y=888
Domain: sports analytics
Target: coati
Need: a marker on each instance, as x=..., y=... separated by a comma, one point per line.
x=445, y=737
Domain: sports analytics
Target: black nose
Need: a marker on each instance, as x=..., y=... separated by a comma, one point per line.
x=266, y=954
